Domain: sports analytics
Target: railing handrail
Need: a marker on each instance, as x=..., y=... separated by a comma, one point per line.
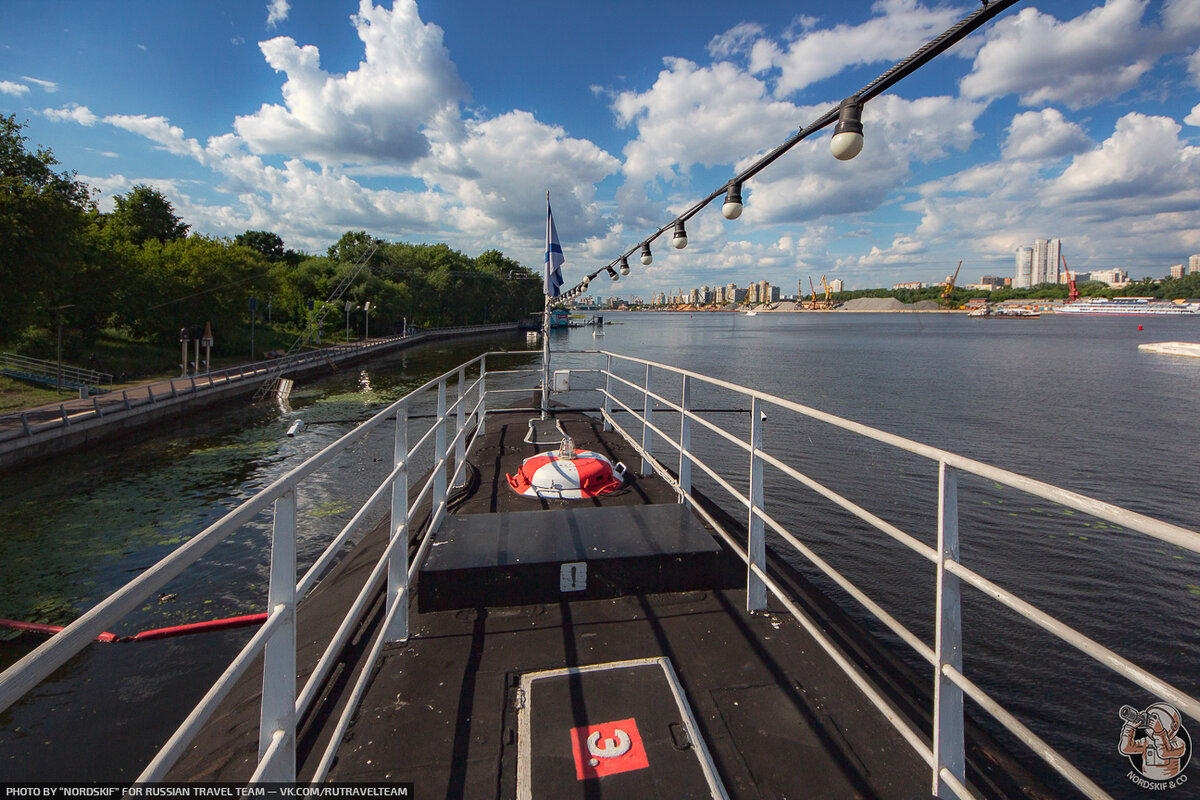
x=53, y=368
x=947, y=774
x=945, y=757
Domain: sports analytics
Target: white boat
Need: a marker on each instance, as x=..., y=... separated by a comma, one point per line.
x=1128, y=306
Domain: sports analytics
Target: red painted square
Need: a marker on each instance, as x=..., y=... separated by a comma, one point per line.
x=607, y=749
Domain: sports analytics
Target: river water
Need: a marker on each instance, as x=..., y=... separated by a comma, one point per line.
x=1067, y=400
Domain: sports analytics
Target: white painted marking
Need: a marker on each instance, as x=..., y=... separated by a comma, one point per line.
x=572, y=577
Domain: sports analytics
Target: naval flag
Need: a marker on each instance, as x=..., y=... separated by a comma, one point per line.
x=554, y=256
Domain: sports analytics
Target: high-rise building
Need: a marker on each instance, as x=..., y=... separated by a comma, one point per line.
x=837, y=285
x=1176, y=270
x=1024, y=276
x=1194, y=264
x=1044, y=269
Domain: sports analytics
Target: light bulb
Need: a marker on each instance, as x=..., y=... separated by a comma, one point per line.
x=647, y=257
x=733, y=202
x=847, y=139
x=679, y=239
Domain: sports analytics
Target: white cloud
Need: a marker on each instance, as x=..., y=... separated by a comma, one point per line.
x=1143, y=159
x=500, y=168
x=1044, y=134
x=1194, y=67
x=46, y=86
x=898, y=28
x=159, y=130
x=71, y=113
x=808, y=183
x=277, y=12
x=737, y=39
x=15, y=89
x=377, y=113
x=1194, y=117
x=1098, y=55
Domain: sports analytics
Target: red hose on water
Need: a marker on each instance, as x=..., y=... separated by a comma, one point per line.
x=228, y=623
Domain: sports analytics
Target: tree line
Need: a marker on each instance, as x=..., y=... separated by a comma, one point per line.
x=139, y=272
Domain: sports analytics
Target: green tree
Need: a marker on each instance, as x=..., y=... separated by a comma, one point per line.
x=268, y=245
x=145, y=213
x=41, y=215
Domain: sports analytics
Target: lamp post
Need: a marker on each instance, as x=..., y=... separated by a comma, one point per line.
x=349, y=305
x=253, y=309
x=367, y=320
x=183, y=341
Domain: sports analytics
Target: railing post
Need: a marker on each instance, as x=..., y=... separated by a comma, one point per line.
x=647, y=435
x=948, y=742
x=125, y=398
x=439, y=459
x=25, y=424
x=685, y=439
x=398, y=563
x=96, y=407
x=62, y=409
x=607, y=389
x=460, y=422
x=482, y=392
x=756, y=543
x=278, y=711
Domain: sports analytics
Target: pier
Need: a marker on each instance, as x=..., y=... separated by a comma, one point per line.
x=60, y=427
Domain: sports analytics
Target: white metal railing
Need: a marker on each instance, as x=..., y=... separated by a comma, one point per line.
x=946, y=756
x=282, y=706
x=64, y=415
x=52, y=372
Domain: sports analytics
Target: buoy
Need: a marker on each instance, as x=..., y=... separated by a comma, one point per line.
x=1139, y=327
x=567, y=474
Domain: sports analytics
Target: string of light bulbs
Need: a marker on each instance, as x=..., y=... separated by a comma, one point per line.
x=847, y=142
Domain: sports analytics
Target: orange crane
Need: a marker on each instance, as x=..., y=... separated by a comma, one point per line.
x=814, y=293
x=1072, y=291
x=828, y=292
x=950, y=285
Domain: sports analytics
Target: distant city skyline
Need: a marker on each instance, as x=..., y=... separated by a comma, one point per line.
x=430, y=121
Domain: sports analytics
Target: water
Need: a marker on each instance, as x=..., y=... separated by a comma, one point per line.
x=1067, y=400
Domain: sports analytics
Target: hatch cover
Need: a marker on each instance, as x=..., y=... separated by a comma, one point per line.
x=625, y=724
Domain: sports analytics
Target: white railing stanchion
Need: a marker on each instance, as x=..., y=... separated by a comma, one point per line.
x=439, y=460
x=482, y=393
x=756, y=544
x=460, y=442
x=607, y=394
x=278, y=710
x=948, y=738
x=397, y=590
x=647, y=434
x=685, y=439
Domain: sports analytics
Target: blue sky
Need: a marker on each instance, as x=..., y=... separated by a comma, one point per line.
x=447, y=120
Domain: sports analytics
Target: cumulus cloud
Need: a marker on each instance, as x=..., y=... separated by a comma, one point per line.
x=160, y=131
x=71, y=113
x=694, y=115
x=1044, y=134
x=377, y=113
x=15, y=89
x=277, y=12
x=898, y=28
x=1098, y=55
x=1194, y=117
x=1143, y=159
x=737, y=39
x=1194, y=67
x=808, y=183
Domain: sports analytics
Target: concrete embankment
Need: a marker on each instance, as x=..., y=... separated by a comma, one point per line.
x=48, y=430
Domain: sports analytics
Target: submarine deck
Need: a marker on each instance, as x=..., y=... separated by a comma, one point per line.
x=755, y=703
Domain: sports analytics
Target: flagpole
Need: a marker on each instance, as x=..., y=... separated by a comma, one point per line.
x=546, y=322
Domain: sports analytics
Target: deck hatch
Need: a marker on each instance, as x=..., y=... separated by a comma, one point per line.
x=624, y=724
x=522, y=557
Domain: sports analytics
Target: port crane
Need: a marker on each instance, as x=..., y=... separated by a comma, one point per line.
x=828, y=292
x=950, y=286
x=813, y=292
x=1072, y=290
